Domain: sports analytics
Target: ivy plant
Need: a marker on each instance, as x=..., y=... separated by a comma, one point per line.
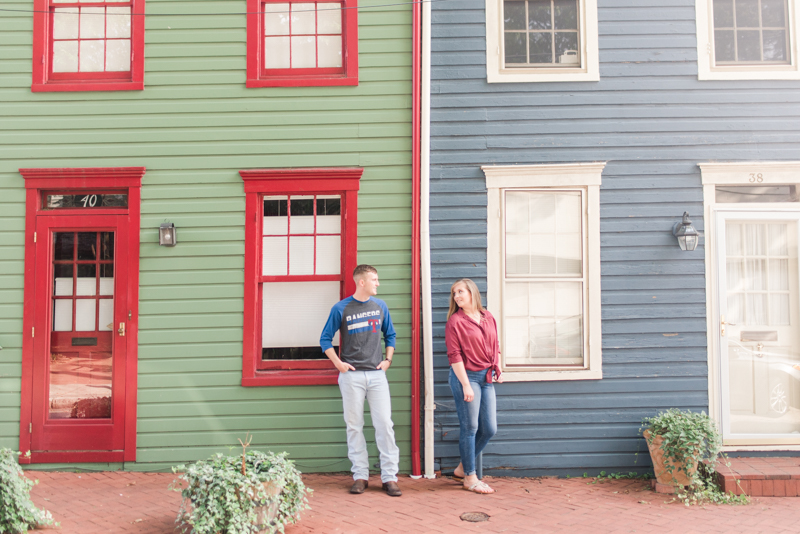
x=692, y=440
x=17, y=511
x=227, y=493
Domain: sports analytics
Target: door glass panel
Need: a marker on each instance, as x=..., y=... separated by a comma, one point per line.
x=761, y=303
x=82, y=329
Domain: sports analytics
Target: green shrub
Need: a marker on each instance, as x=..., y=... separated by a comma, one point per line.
x=17, y=511
x=224, y=493
x=692, y=440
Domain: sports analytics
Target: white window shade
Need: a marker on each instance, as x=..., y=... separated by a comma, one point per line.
x=293, y=313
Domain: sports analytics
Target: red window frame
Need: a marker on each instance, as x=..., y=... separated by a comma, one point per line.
x=44, y=79
x=257, y=76
x=259, y=183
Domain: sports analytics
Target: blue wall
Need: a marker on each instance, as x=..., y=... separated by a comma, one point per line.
x=652, y=121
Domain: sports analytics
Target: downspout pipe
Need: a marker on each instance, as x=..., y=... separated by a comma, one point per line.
x=425, y=238
x=416, y=166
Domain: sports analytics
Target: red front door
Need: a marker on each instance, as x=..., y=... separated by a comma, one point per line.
x=81, y=313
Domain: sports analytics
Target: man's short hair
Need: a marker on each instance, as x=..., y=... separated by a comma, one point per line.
x=362, y=270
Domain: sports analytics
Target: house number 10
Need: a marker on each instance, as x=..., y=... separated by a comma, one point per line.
x=756, y=177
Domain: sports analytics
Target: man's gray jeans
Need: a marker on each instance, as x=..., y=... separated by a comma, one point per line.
x=372, y=385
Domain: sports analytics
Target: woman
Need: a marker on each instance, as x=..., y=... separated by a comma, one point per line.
x=474, y=354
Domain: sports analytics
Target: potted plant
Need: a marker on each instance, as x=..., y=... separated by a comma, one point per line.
x=254, y=492
x=17, y=511
x=685, y=448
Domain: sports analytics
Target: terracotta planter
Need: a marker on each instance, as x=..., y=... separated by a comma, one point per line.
x=265, y=515
x=679, y=476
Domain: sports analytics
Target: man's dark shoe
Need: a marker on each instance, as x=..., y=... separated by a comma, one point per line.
x=359, y=486
x=392, y=489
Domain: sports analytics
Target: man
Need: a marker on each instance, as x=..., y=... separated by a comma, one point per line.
x=360, y=320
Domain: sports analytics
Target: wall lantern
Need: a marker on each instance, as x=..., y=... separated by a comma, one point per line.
x=166, y=235
x=687, y=236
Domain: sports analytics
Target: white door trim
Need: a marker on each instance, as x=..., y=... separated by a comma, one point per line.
x=735, y=173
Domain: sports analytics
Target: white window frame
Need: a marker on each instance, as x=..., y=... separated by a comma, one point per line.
x=735, y=173
x=573, y=176
x=706, y=70
x=496, y=72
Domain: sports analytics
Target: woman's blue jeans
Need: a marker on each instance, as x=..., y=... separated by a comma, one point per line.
x=477, y=419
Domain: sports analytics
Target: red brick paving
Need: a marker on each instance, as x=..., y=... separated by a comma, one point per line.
x=139, y=503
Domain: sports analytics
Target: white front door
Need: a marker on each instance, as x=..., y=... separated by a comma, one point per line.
x=759, y=332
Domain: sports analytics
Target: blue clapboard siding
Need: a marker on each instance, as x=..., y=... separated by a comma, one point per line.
x=652, y=121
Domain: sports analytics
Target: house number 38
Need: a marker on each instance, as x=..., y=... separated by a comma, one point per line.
x=756, y=177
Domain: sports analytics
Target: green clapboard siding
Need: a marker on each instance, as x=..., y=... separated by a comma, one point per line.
x=194, y=127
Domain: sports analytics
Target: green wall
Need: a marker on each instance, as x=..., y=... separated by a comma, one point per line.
x=194, y=127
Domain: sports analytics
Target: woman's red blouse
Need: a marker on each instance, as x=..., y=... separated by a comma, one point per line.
x=476, y=345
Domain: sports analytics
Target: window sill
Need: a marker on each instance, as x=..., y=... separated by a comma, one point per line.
x=86, y=86
x=542, y=75
x=749, y=72
x=552, y=375
x=311, y=377
x=303, y=81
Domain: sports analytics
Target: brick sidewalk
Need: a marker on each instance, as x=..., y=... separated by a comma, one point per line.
x=107, y=503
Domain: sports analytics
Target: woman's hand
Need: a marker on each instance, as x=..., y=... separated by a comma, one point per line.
x=469, y=395
x=499, y=379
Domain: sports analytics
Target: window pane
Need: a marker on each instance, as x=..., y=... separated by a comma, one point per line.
x=304, y=52
x=92, y=53
x=539, y=15
x=328, y=205
x=274, y=260
x=87, y=246
x=304, y=19
x=567, y=47
x=93, y=22
x=301, y=255
x=63, y=246
x=106, y=246
x=515, y=48
x=301, y=220
x=514, y=15
x=85, y=310
x=118, y=23
x=118, y=55
x=293, y=313
x=329, y=252
x=106, y=320
x=65, y=23
x=276, y=221
x=276, y=19
x=723, y=13
x=541, y=47
x=329, y=18
x=724, y=49
x=774, y=45
x=778, y=241
x=330, y=51
x=276, y=54
x=756, y=193
x=329, y=224
x=749, y=45
x=553, y=332
x=773, y=13
x=566, y=14
x=62, y=314
x=65, y=56
x=747, y=14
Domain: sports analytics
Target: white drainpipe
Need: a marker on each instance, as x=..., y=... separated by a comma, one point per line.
x=425, y=237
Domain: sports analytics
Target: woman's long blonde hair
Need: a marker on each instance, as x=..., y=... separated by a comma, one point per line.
x=473, y=289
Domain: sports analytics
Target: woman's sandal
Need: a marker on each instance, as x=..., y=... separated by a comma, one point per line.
x=479, y=486
x=457, y=478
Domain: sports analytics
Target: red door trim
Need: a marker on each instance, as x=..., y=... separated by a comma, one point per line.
x=36, y=180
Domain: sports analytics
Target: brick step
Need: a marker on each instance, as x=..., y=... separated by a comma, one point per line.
x=761, y=477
